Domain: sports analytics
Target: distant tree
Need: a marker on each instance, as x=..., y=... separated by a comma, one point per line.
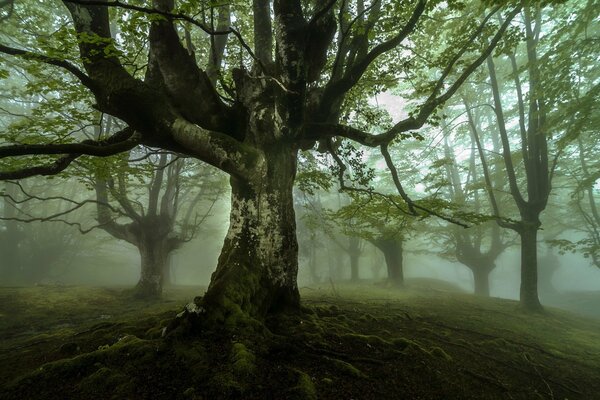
x=533, y=114
x=10, y=237
x=478, y=246
x=158, y=216
x=378, y=220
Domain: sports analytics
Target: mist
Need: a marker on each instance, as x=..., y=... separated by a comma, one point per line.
x=299, y=199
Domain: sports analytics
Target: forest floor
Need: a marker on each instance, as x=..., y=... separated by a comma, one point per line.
x=425, y=341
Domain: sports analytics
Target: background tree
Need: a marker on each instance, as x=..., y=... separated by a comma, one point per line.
x=378, y=220
x=161, y=214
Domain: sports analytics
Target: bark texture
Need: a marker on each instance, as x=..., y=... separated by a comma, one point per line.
x=392, y=250
x=529, y=268
x=258, y=265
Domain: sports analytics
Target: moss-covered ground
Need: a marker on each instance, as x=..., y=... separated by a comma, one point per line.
x=350, y=342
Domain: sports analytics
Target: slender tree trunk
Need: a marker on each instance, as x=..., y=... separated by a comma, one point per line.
x=393, y=252
x=529, y=272
x=312, y=264
x=257, y=269
x=354, y=253
x=10, y=260
x=354, y=263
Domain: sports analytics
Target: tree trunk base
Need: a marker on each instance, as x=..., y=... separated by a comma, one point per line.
x=533, y=308
x=146, y=292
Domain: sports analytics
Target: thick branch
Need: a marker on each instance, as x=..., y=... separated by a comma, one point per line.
x=53, y=168
x=169, y=16
x=118, y=143
x=263, y=35
x=107, y=222
x=190, y=88
x=217, y=149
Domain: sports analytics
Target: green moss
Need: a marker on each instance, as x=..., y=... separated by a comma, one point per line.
x=140, y=367
x=403, y=343
x=304, y=389
x=189, y=393
x=190, y=353
x=440, y=353
x=101, y=380
x=343, y=318
x=371, y=340
x=242, y=359
x=226, y=385
x=346, y=368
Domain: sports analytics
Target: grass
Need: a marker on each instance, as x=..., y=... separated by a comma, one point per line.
x=426, y=341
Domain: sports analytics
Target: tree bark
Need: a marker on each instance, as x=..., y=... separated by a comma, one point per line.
x=10, y=264
x=481, y=280
x=392, y=250
x=529, y=271
x=354, y=253
x=154, y=254
x=257, y=269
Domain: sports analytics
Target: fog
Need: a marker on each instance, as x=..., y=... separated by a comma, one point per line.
x=72, y=249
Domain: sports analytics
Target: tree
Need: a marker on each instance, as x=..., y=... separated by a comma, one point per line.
x=285, y=94
x=468, y=244
x=10, y=236
x=161, y=225
x=378, y=220
x=539, y=107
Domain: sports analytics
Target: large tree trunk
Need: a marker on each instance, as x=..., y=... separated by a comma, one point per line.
x=257, y=269
x=481, y=280
x=393, y=252
x=154, y=255
x=529, y=273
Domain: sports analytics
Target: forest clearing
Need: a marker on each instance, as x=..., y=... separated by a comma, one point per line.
x=350, y=341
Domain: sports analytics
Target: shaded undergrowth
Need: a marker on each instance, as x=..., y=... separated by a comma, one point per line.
x=360, y=342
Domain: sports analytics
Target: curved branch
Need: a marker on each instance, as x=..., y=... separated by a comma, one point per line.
x=41, y=170
x=121, y=141
x=217, y=149
x=318, y=131
x=99, y=148
x=340, y=87
x=27, y=55
x=103, y=211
